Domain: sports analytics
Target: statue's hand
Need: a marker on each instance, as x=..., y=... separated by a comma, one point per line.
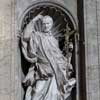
x=28, y=95
x=40, y=16
x=29, y=79
x=31, y=76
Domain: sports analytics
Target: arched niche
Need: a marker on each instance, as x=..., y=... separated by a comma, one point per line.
x=62, y=17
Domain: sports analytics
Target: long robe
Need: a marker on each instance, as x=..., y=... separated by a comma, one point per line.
x=51, y=78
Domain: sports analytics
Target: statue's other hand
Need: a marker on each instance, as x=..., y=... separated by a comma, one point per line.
x=40, y=16
x=29, y=79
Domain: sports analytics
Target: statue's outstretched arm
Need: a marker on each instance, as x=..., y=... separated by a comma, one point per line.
x=30, y=27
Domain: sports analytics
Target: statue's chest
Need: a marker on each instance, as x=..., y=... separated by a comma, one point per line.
x=49, y=43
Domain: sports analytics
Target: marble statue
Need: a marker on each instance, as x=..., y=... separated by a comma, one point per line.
x=47, y=77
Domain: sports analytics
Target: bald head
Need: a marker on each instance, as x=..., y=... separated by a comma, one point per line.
x=47, y=23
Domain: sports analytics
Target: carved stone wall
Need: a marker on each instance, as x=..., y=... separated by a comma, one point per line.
x=10, y=72
x=9, y=61
x=92, y=48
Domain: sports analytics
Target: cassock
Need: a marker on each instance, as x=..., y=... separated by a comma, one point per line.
x=49, y=79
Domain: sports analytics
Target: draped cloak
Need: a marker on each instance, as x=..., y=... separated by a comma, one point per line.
x=43, y=49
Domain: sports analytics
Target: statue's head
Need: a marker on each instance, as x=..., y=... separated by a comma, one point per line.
x=47, y=23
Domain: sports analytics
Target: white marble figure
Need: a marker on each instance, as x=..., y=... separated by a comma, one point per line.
x=47, y=78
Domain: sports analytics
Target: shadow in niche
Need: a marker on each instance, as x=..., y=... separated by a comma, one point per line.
x=24, y=67
x=82, y=63
x=61, y=45
x=73, y=93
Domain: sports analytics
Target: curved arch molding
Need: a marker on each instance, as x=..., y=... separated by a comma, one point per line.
x=51, y=5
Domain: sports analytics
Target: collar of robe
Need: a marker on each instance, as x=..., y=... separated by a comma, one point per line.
x=47, y=33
